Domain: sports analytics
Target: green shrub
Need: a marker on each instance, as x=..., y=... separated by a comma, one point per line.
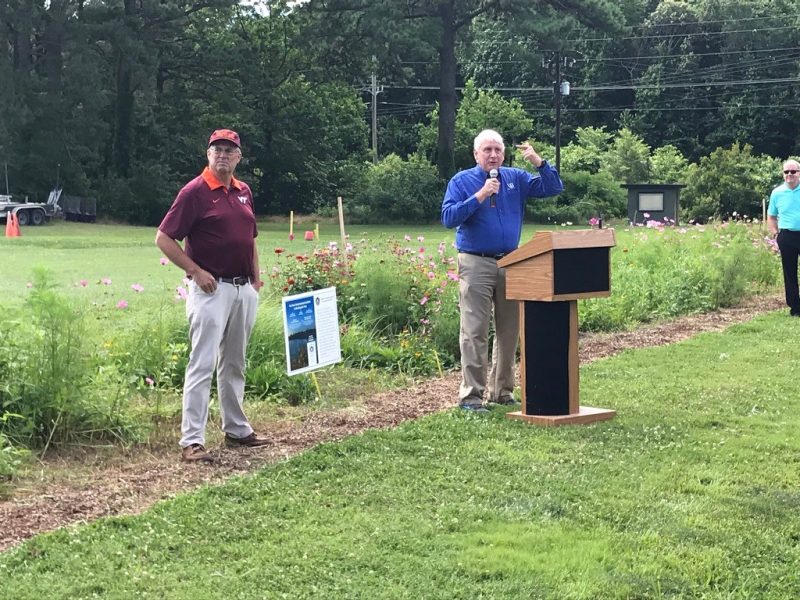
x=412, y=354
x=478, y=110
x=316, y=270
x=398, y=191
x=50, y=374
x=660, y=273
x=585, y=195
x=385, y=294
x=11, y=458
x=729, y=182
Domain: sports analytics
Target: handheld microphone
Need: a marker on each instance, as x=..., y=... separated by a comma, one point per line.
x=493, y=197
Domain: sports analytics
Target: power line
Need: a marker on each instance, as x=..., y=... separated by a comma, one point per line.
x=684, y=55
x=679, y=23
x=588, y=88
x=684, y=34
x=666, y=108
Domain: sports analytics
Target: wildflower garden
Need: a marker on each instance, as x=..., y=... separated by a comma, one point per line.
x=688, y=493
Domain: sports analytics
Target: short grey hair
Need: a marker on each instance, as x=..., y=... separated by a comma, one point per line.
x=791, y=160
x=485, y=136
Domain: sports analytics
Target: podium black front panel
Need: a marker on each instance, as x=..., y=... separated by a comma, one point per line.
x=580, y=271
x=546, y=358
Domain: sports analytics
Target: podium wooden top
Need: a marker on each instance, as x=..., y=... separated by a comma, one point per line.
x=547, y=241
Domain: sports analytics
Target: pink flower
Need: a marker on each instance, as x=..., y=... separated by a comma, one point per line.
x=407, y=238
x=83, y=283
x=420, y=238
x=163, y=261
x=105, y=281
x=137, y=288
x=646, y=215
x=423, y=301
x=348, y=247
x=452, y=275
x=441, y=247
x=122, y=304
x=182, y=294
x=431, y=275
x=29, y=285
x=421, y=250
x=149, y=381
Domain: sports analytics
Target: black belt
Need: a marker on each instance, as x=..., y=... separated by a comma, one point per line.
x=240, y=280
x=484, y=254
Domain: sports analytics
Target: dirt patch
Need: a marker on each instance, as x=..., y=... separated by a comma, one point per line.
x=76, y=489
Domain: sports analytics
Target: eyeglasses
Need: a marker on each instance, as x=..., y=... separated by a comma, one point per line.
x=224, y=149
x=789, y=171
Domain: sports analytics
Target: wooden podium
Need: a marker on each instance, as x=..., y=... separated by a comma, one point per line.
x=549, y=275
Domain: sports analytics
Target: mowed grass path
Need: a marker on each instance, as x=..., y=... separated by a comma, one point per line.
x=691, y=492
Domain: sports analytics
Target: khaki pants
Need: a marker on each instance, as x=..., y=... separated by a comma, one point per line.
x=483, y=288
x=219, y=327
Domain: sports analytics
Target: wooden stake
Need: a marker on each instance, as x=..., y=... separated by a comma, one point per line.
x=343, y=252
x=316, y=384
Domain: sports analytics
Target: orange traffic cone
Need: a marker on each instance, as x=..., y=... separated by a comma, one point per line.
x=12, y=225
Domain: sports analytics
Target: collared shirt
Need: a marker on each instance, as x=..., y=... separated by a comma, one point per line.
x=488, y=229
x=218, y=223
x=784, y=203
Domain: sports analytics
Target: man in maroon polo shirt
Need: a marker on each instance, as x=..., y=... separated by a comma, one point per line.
x=214, y=214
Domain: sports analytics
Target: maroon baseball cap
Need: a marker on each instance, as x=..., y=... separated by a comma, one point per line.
x=227, y=135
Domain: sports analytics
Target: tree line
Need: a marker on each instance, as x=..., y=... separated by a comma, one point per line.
x=115, y=100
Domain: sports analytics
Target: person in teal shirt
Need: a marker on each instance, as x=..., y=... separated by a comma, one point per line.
x=783, y=221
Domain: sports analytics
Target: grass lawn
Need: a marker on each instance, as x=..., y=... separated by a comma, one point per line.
x=691, y=492
x=128, y=255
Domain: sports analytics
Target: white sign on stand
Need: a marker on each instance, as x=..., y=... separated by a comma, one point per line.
x=311, y=331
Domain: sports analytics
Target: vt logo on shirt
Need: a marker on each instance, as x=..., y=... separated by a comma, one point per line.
x=510, y=185
x=243, y=199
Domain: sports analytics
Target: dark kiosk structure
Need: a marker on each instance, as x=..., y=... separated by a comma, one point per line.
x=659, y=200
x=549, y=275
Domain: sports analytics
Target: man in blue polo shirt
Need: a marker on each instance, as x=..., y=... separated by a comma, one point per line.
x=784, y=225
x=487, y=204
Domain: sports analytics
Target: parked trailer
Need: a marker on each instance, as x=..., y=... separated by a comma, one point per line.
x=31, y=213
x=76, y=208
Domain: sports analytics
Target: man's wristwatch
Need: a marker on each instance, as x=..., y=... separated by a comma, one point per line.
x=544, y=162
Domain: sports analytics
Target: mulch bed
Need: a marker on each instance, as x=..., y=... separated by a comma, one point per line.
x=75, y=489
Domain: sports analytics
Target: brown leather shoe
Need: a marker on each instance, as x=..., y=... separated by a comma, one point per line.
x=250, y=441
x=196, y=453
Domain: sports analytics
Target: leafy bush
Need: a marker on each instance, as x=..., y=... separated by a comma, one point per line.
x=628, y=158
x=398, y=191
x=141, y=199
x=588, y=151
x=728, y=182
x=478, y=110
x=668, y=165
x=50, y=374
x=11, y=458
x=585, y=195
x=666, y=272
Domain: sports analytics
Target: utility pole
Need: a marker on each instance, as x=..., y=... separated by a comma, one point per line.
x=557, y=92
x=375, y=89
x=560, y=88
